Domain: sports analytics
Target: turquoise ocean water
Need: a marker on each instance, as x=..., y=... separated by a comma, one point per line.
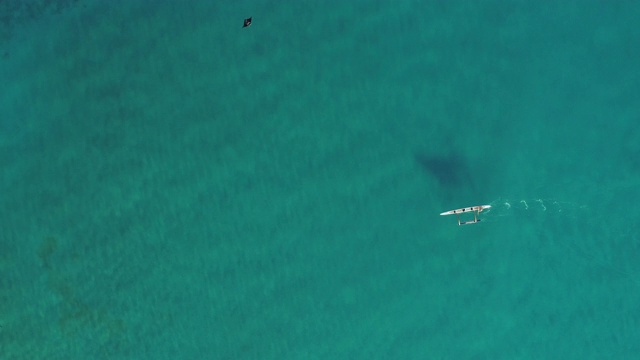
x=176, y=187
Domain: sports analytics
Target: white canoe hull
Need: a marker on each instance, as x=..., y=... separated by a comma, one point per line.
x=471, y=209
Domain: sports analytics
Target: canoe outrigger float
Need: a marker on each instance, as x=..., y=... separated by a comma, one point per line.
x=476, y=210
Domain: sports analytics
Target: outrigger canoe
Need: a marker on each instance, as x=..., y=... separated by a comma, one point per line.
x=476, y=210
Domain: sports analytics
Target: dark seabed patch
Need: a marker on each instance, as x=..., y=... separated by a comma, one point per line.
x=449, y=170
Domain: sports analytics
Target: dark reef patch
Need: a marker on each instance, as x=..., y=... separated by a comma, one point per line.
x=449, y=170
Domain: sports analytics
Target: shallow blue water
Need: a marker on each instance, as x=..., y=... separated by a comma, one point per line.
x=175, y=186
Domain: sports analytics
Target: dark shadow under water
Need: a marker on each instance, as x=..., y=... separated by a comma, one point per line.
x=451, y=172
